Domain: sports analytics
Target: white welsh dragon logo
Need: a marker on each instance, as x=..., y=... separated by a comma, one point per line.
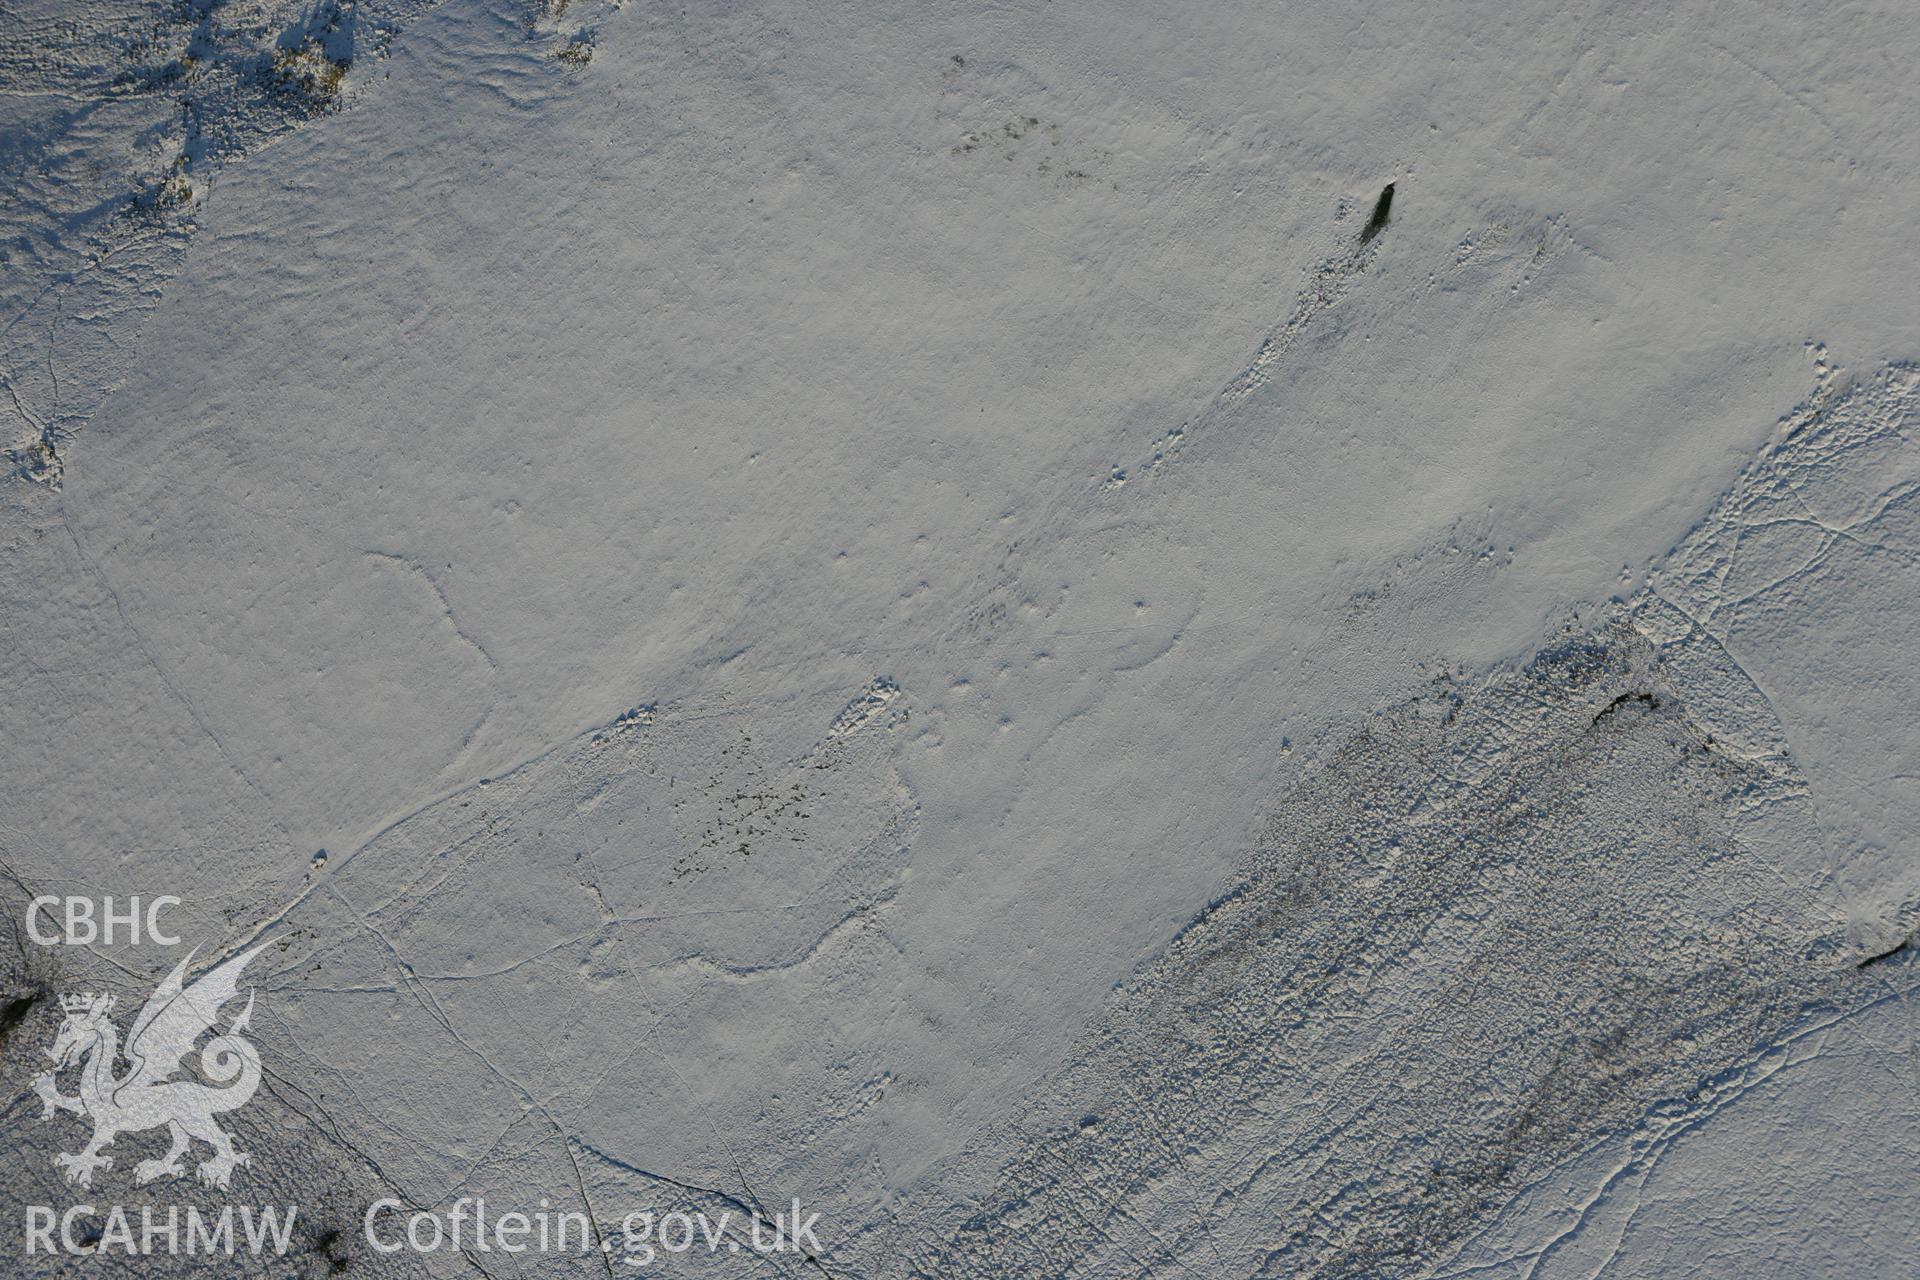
x=148, y=1095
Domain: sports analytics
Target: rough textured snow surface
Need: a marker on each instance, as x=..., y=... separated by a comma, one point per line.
x=1098, y=640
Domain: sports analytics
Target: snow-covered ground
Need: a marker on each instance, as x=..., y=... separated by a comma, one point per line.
x=945, y=611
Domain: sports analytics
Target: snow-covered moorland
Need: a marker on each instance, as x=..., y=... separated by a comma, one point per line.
x=1092, y=639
